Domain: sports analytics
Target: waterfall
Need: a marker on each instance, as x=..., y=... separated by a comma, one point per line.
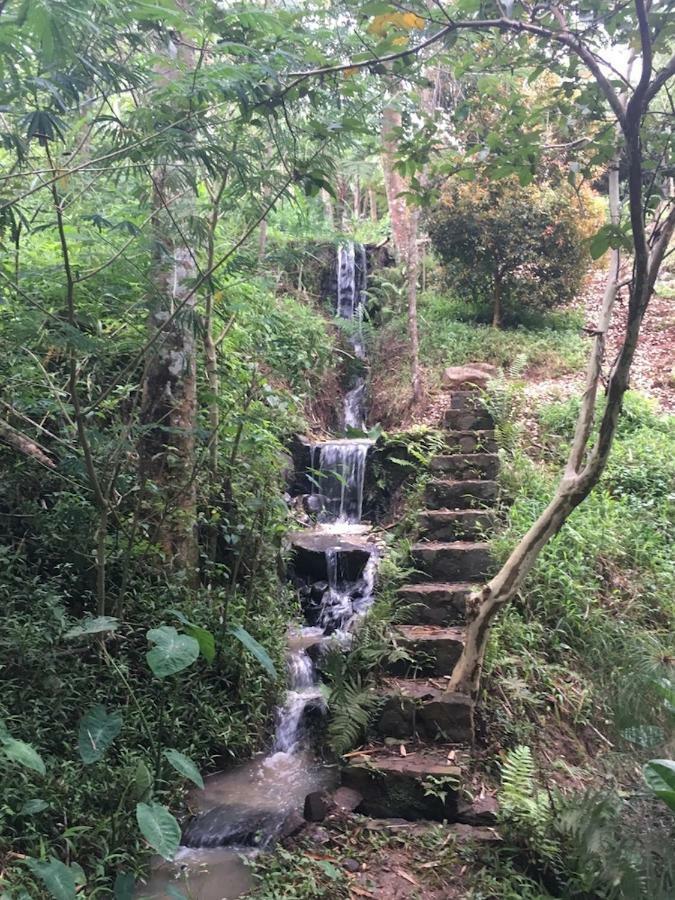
x=339, y=472
x=303, y=691
x=352, y=276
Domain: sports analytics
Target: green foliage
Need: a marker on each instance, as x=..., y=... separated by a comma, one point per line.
x=287, y=875
x=523, y=805
x=98, y=729
x=660, y=777
x=159, y=828
x=505, y=243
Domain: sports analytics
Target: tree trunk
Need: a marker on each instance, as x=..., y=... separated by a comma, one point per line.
x=169, y=401
x=497, y=302
x=372, y=204
x=578, y=479
x=394, y=184
x=412, y=275
x=169, y=407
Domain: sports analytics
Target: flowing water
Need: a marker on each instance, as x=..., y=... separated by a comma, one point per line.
x=352, y=279
x=339, y=472
x=245, y=809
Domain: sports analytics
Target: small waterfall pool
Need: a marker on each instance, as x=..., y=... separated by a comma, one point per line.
x=245, y=809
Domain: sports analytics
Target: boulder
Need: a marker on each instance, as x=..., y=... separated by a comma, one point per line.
x=318, y=805
x=347, y=799
x=461, y=378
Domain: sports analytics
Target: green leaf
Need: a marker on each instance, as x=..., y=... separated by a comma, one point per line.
x=23, y=754
x=660, y=777
x=142, y=781
x=159, y=828
x=172, y=653
x=98, y=729
x=185, y=766
x=33, y=807
x=206, y=641
x=60, y=880
x=93, y=626
x=254, y=648
x=600, y=243
x=123, y=889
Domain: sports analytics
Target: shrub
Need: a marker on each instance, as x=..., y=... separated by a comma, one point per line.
x=509, y=245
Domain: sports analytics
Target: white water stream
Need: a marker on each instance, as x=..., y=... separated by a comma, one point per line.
x=246, y=808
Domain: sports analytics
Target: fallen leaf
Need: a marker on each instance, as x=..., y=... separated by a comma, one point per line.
x=402, y=750
x=407, y=877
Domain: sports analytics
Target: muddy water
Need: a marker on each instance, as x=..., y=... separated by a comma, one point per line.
x=262, y=792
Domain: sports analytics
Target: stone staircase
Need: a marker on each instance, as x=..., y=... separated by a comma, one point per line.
x=416, y=772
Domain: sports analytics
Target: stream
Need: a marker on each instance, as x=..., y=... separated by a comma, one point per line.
x=250, y=806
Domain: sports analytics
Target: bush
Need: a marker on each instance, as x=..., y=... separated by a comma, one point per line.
x=511, y=246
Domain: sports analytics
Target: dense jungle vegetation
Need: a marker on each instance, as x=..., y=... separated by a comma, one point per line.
x=175, y=180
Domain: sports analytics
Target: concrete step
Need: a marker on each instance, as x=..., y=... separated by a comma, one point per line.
x=467, y=419
x=423, y=707
x=456, y=524
x=441, y=493
x=434, y=650
x=466, y=465
x=396, y=786
x=482, y=441
x=452, y=561
x=441, y=603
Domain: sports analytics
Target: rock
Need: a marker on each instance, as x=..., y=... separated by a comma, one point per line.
x=317, y=806
x=459, y=378
x=293, y=825
x=313, y=503
x=233, y=825
x=482, y=811
x=351, y=865
x=319, y=588
x=347, y=799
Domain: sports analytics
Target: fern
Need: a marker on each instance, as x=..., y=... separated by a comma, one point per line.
x=523, y=805
x=351, y=706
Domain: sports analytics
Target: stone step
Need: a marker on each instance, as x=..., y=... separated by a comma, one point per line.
x=466, y=465
x=434, y=650
x=423, y=707
x=441, y=493
x=467, y=398
x=455, y=524
x=467, y=419
x=471, y=441
x=438, y=603
x=397, y=786
x=452, y=561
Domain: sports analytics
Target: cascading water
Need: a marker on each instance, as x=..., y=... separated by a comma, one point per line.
x=249, y=806
x=339, y=468
x=352, y=276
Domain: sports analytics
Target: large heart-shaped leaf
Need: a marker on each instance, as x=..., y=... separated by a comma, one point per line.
x=660, y=777
x=159, y=828
x=172, y=652
x=93, y=626
x=205, y=639
x=123, y=889
x=22, y=753
x=255, y=648
x=60, y=880
x=98, y=729
x=33, y=807
x=185, y=766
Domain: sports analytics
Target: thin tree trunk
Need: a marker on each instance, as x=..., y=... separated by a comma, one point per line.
x=412, y=275
x=372, y=204
x=497, y=302
x=169, y=403
x=579, y=478
x=394, y=184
